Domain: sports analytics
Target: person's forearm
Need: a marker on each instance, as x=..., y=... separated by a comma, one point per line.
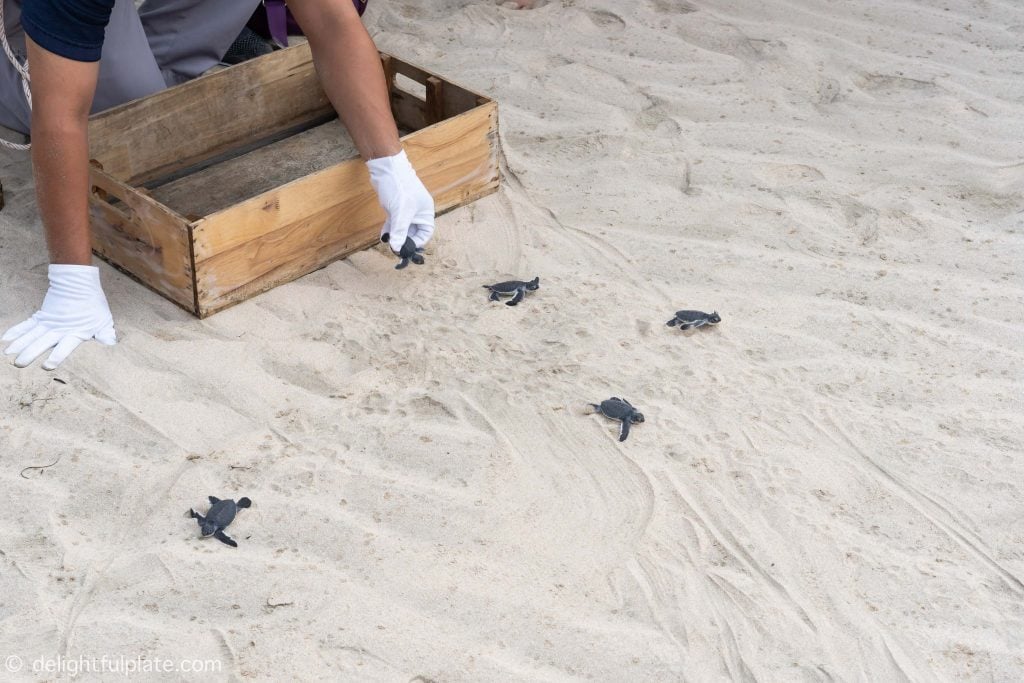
x=351, y=73
x=62, y=92
x=60, y=167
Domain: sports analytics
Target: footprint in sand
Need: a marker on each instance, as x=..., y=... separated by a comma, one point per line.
x=673, y=7
x=726, y=39
x=298, y=375
x=788, y=175
x=827, y=91
x=591, y=22
x=886, y=85
x=607, y=21
x=374, y=403
x=861, y=220
x=522, y=4
x=428, y=408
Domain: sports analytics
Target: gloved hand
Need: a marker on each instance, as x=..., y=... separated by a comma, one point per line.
x=408, y=204
x=74, y=310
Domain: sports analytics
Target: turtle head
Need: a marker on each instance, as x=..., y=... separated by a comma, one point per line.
x=533, y=284
x=207, y=528
x=636, y=417
x=714, y=318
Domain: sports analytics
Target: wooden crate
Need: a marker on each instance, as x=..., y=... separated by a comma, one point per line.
x=184, y=193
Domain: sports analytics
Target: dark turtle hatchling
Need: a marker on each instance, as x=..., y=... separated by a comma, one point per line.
x=219, y=516
x=409, y=252
x=516, y=289
x=622, y=410
x=690, y=319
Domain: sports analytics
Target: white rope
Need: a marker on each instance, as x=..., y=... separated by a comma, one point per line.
x=21, y=69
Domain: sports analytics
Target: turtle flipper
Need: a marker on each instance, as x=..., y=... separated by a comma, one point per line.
x=224, y=538
x=624, y=430
x=494, y=296
x=407, y=253
x=195, y=515
x=627, y=403
x=687, y=326
x=520, y=294
x=213, y=501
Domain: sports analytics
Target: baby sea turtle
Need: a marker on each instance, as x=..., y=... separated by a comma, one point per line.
x=409, y=252
x=221, y=513
x=514, y=288
x=620, y=409
x=690, y=319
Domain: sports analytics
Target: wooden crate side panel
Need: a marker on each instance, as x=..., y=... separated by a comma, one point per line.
x=190, y=123
x=287, y=254
x=468, y=141
x=143, y=238
x=304, y=225
x=458, y=158
x=279, y=209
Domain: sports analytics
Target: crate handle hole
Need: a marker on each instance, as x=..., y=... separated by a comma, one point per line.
x=113, y=203
x=411, y=87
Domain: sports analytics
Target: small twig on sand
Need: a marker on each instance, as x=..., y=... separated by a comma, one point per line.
x=275, y=605
x=37, y=467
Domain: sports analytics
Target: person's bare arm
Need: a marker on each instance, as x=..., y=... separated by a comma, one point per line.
x=353, y=78
x=62, y=92
x=351, y=73
x=74, y=309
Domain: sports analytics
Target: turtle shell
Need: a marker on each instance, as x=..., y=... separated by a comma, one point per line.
x=222, y=513
x=616, y=409
x=510, y=286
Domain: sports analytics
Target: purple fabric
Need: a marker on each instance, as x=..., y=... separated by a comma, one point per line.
x=275, y=22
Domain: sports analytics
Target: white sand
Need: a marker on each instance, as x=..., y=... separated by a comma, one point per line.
x=829, y=485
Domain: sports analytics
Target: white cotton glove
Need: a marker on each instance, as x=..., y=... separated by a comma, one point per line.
x=408, y=204
x=74, y=310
